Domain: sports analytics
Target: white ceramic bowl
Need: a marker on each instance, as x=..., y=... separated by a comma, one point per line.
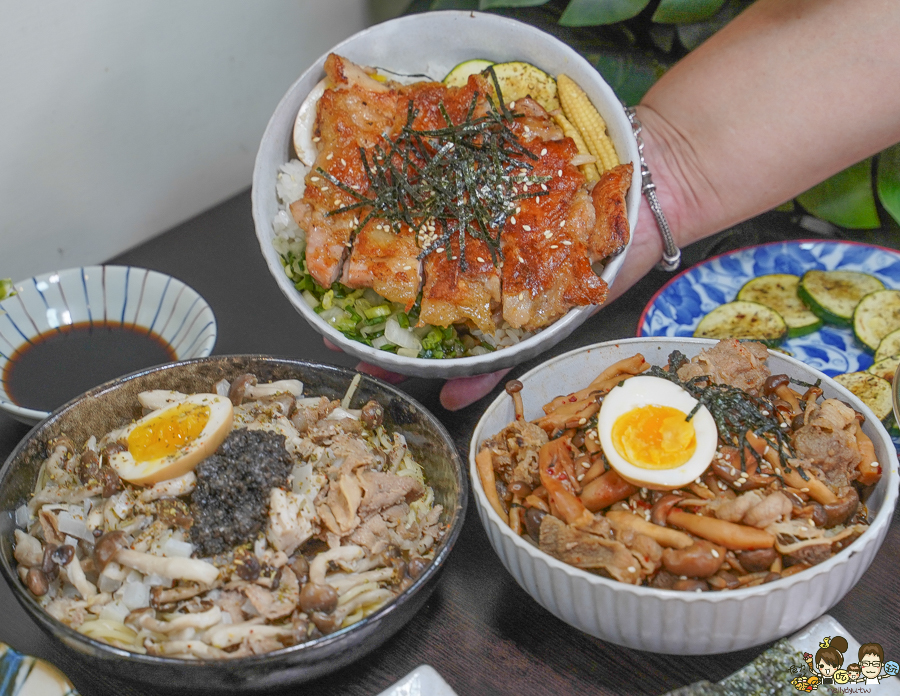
x=432, y=43
x=131, y=296
x=668, y=621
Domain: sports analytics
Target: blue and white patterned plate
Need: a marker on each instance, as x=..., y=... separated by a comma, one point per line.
x=21, y=675
x=680, y=304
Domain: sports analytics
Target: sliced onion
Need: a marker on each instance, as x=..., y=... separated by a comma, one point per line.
x=115, y=611
x=22, y=517
x=136, y=595
x=74, y=527
x=179, y=549
x=399, y=336
x=408, y=352
x=380, y=342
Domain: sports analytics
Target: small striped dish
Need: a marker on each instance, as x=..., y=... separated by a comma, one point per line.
x=134, y=297
x=21, y=675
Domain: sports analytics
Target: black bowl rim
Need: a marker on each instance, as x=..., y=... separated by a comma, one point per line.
x=102, y=650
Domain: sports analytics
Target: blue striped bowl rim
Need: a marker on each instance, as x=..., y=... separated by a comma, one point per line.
x=136, y=297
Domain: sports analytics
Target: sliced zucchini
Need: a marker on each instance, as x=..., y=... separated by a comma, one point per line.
x=889, y=346
x=778, y=291
x=886, y=369
x=742, y=319
x=459, y=76
x=876, y=315
x=833, y=295
x=518, y=79
x=872, y=390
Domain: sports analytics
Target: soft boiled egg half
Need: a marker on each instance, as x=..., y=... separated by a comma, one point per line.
x=170, y=441
x=647, y=437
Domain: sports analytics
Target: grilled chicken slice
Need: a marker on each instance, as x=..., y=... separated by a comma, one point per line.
x=452, y=295
x=386, y=261
x=546, y=268
x=355, y=112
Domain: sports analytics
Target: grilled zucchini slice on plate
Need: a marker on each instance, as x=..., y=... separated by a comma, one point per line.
x=889, y=346
x=872, y=390
x=459, y=76
x=833, y=295
x=778, y=291
x=886, y=369
x=876, y=316
x=741, y=319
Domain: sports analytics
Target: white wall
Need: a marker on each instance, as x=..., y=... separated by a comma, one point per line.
x=121, y=118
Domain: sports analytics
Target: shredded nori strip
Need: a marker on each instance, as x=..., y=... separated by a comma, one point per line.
x=231, y=500
x=462, y=179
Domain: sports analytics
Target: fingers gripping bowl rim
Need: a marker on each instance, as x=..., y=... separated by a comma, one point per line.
x=650, y=619
x=433, y=43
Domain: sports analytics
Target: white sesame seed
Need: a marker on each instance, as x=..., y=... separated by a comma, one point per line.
x=343, y=162
x=453, y=258
x=632, y=569
x=778, y=471
x=513, y=220
x=439, y=249
x=714, y=553
x=560, y=172
x=337, y=201
x=722, y=486
x=524, y=187
x=764, y=412
x=586, y=465
x=582, y=421
x=697, y=480
x=562, y=223
x=316, y=139
x=548, y=234
x=512, y=105
x=521, y=260
x=543, y=152
x=803, y=528
x=527, y=129
x=543, y=187
x=527, y=228
x=407, y=268
x=683, y=577
x=554, y=246
x=313, y=178
x=480, y=260
x=784, y=425
x=330, y=156
x=804, y=490
x=580, y=477
x=567, y=242
x=518, y=209
x=522, y=295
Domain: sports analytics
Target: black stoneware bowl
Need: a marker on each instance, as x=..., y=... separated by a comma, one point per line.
x=114, y=404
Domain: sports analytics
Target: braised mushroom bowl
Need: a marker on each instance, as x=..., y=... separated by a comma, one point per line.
x=425, y=225
x=612, y=485
x=231, y=522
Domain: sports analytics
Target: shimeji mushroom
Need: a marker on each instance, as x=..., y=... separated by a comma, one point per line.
x=172, y=568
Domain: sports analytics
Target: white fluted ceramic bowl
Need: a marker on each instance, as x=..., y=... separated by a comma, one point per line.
x=135, y=297
x=667, y=621
x=433, y=43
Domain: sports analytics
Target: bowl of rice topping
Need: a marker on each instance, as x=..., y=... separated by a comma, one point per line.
x=439, y=215
x=682, y=496
x=235, y=522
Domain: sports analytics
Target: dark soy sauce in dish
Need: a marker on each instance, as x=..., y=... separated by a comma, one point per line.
x=58, y=365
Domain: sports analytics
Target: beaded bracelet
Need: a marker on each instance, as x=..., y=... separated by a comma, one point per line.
x=671, y=259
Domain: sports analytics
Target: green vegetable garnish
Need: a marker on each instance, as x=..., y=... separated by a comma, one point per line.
x=6, y=288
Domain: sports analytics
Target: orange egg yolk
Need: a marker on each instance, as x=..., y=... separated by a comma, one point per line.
x=166, y=434
x=654, y=437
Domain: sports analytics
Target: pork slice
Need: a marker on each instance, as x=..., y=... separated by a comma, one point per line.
x=383, y=490
x=828, y=442
x=740, y=364
x=373, y=534
x=588, y=551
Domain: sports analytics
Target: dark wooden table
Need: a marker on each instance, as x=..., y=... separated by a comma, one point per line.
x=479, y=629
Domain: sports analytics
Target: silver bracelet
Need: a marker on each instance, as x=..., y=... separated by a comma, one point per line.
x=671, y=259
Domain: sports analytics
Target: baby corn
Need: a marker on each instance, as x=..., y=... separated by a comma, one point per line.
x=589, y=170
x=579, y=110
